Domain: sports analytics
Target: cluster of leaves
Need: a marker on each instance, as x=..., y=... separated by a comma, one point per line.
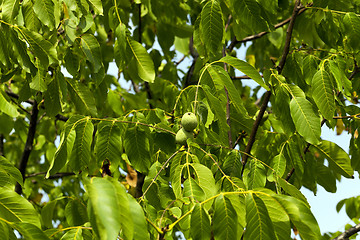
x=105, y=157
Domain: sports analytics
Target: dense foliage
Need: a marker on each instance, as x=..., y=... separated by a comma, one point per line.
x=89, y=155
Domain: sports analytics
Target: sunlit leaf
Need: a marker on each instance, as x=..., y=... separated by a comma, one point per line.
x=224, y=219
x=144, y=63
x=110, y=208
x=246, y=68
x=323, y=93
x=259, y=225
x=44, y=9
x=15, y=208
x=338, y=159
x=306, y=121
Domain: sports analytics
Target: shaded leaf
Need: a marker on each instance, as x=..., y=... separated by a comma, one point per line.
x=200, y=223
x=10, y=10
x=80, y=154
x=91, y=48
x=108, y=142
x=212, y=26
x=82, y=97
x=137, y=147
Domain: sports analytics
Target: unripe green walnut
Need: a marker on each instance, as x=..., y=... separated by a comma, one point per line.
x=189, y=121
x=182, y=135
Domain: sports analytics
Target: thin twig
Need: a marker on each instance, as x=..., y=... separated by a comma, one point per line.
x=158, y=173
x=348, y=233
x=268, y=93
x=234, y=42
x=28, y=145
x=55, y=176
x=242, y=77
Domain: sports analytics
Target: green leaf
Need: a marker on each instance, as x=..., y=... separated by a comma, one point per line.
x=110, y=207
x=143, y=61
x=75, y=212
x=245, y=68
x=21, y=52
x=300, y=215
x=221, y=79
x=52, y=97
x=120, y=47
x=138, y=217
x=41, y=48
x=9, y=174
x=278, y=165
x=351, y=22
x=212, y=26
x=7, y=107
x=248, y=11
x=200, y=223
x=44, y=9
x=108, y=143
x=323, y=93
x=224, y=219
x=338, y=159
x=97, y=4
x=255, y=175
x=81, y=152
x=259, y=224
x=292, y=190
x=10, y=10
x=219, y=111
x=205, y=179
x=73, y=234
x=193, y=190
x=306, y=121
x=38, y=81
x=137, y=147
x=30, y=231
x=91, y=48
x=279, y=218
x=343, y=83
x=82, y=97
x=14, y=208
x=60, y=158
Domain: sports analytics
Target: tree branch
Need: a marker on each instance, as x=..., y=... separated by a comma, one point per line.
x=30, y=101
x=348, y=233
x=28, y=145
x=228, y=117
x=2, y=145
x=268, y=93
x=234, y=42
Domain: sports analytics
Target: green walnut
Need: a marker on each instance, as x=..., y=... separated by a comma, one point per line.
x=189, y=121
x=182, y=135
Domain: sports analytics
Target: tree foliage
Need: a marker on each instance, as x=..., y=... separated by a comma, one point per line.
x=93, y=154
